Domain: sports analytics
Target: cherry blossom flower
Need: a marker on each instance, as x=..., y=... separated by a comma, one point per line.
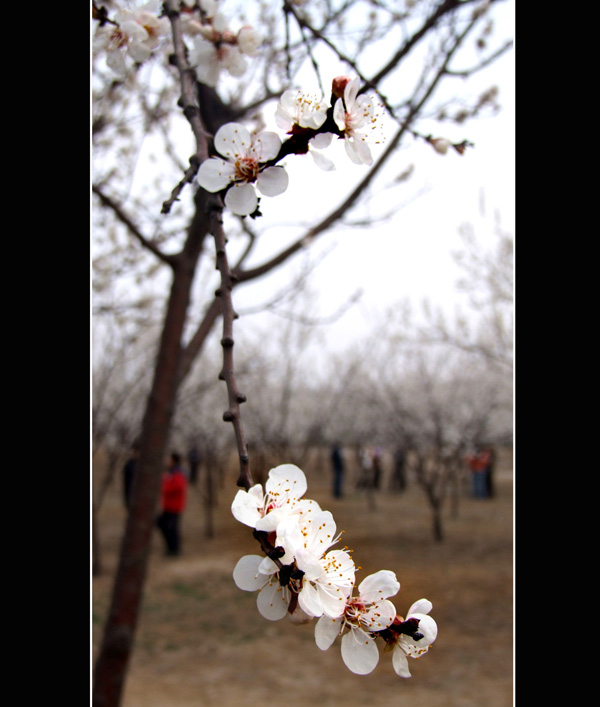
x=245, y=155
x=297, y=110
x=209, y=59
x=217, y=48
x=136, y=34
x=327, y=583
x=249, y=41
x=356, y=117
x=264, y=511
x=408, y=646
x=370, y=612
x=253, y=573
x=328, y=578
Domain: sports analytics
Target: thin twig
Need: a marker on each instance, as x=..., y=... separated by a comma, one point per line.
x=232, y=414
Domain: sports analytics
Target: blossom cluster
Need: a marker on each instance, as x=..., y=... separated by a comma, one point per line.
x=136, y=31
x=301, y=576
x=246, y=162
x=132, y=36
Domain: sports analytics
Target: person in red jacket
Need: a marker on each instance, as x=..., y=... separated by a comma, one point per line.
x=174, y=493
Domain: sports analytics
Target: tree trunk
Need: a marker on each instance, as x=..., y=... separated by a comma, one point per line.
x=96, y=562
x=117, y=643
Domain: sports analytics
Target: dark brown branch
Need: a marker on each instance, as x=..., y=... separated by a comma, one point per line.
x=232, y=414
x=133, y=229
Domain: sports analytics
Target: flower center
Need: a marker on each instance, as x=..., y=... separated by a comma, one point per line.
x=246, y=169
x=118, y=38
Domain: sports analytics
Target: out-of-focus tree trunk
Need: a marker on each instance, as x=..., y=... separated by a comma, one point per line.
x=115, y=650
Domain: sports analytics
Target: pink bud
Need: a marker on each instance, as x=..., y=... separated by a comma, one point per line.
x=339, y=84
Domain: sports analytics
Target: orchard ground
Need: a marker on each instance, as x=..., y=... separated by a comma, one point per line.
x=201, y=641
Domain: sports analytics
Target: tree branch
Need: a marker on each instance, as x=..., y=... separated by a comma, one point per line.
x=133, y=229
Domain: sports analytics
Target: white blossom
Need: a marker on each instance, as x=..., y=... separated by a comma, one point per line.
x=328, y=577
x=209, y=59
x=408, y=647
x=297, y=109
x=249, y=41
x=369, y=612
x=137, y=33
x=254, y=573
x=264, y=511
x=302, y=109
x=243, y=166
x=356, y=117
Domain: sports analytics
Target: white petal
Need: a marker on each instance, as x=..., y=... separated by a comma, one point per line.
x=350, y=93
x=321, y=141
x=400, y=662
x=134, y=31
x=267, y=145
x=234, y=62
x=246, y=575
x=245, y=507
x=429, y=629
x=380, y=585
x=273, y=600
x=422, y=606
x=273, y=181
x=232, y=140
x=138, y=52
x=333, y=599
x=379, y=616
x=241, y=199
x=215, y=174
x=339, y=114
x=309, y=600
x=326, y=631
x=286, y=478
x=267, y=566
x=358, y=151
x=359, y=652
x=322, y=162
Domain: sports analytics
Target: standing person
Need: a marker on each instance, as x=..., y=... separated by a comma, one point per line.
x=174, y=492
x=193, y=458
x=366, y=466
x=337, y=461
x=489, y=472
x=399, y=478
x=478, y=463
x=377, y=468
x=128, y=472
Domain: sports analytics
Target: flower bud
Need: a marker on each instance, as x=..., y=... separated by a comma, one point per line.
x=339, y=84
x=440, y=144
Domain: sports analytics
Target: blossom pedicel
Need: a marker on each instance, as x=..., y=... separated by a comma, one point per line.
x=302, y=577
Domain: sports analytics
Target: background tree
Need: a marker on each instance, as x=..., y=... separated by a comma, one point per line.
x=160, y=100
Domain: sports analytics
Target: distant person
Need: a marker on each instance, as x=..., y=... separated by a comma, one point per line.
x=128, y=473
x=193, y=458
x=478, y=463
x=489, y=473
x=377, y=468
x=173, y=500
x=365, y=480
x=399, y=477
x=337, y=462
